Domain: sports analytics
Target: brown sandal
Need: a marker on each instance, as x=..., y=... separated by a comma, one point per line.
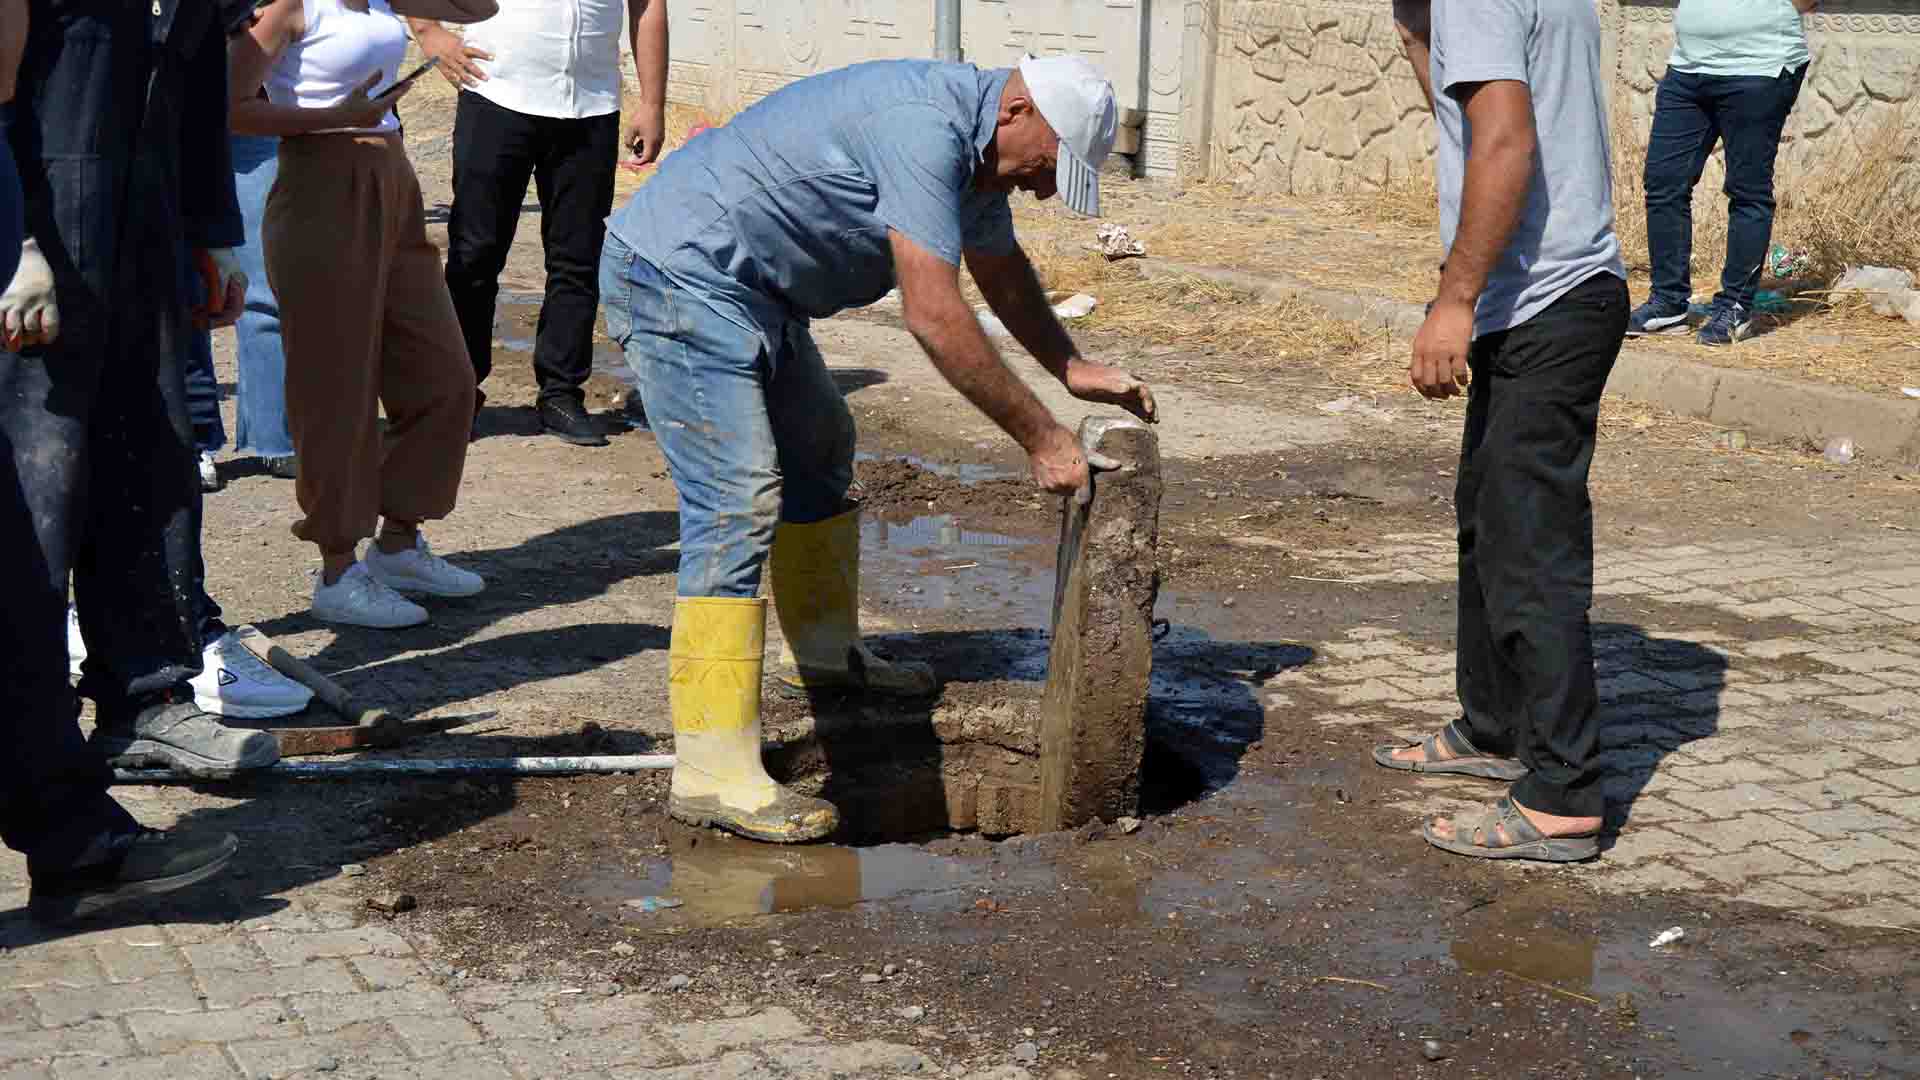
x=1523, y=840
x=1463, y=760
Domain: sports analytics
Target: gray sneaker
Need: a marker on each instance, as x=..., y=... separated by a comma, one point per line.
x=181, y=736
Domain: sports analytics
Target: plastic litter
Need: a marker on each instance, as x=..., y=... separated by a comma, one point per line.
x=1783, y=264
x=1117, y=243
x=1911, y=391
x=1077, y=306
x=1839, y=450
x=1666, y=937
x=1890, y=291
x=1065, y=306
x=651, y=904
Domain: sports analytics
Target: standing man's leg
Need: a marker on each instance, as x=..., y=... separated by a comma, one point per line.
x=203, y=390
x=260, y=406
x=704, y=380
x=816, y=551
x=1533, y=554
x=1685, y=128
x=1752, y=112
x=573, y=174
x=493, y=152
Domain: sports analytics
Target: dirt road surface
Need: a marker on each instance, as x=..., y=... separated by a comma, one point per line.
x=1274, y=914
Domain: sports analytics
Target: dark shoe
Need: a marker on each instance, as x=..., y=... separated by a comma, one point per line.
x=1726, y=324
x=568, y=420
x=479, y=402
x=1657, y=317
x=144, y=863
x=284, y=468
x=183, y=737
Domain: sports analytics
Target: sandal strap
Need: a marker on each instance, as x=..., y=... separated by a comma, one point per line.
x=1458, y=745
x=1504, y=815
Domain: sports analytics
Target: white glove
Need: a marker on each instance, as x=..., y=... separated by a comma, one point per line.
x=29, y=311
x=221, y=274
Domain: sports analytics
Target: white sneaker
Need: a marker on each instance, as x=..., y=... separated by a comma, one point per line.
x=419, y=570
x=209, y=472
x=359, y=599
x=234, y=682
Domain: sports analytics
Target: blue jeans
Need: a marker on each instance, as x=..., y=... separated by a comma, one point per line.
x=203, y=386
x=752, y=439
x=1690, y=114
x=261, y=408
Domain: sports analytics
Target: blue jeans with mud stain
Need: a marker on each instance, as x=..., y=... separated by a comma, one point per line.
x=752, y=439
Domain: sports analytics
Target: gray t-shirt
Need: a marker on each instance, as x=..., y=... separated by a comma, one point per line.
x=1565, y=235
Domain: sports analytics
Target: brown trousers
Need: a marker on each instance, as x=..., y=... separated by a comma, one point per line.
x=366, y=322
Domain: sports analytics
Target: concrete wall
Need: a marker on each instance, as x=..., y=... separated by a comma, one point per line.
x=727, y=54
x=1315, y=96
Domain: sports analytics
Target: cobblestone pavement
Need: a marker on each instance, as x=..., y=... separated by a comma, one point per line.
x=1778, y=769
x=310, y=991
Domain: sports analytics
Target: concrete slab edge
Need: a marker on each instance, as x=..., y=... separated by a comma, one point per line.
x=1762, y=405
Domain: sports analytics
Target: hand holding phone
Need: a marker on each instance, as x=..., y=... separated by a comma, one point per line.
x=400, y=87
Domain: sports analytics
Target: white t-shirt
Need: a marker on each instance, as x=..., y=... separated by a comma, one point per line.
x=557, y=58
x=341, y=49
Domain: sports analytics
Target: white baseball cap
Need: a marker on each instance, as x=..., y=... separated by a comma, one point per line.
x=1077, y=102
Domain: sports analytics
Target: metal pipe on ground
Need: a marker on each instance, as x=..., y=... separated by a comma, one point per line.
x=395, y=768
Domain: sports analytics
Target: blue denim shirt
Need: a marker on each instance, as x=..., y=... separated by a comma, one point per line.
x=782, y=214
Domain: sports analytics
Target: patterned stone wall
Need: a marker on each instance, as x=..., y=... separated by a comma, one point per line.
x=1315, y=96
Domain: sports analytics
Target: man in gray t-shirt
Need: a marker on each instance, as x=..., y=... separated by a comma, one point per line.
x=1529, y=317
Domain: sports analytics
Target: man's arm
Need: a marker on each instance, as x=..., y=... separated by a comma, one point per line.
x=1014, y=292
x=1498, y=175
x=1411, y=18
x=940, y=320
x=13, y=44
x=646, y=129
x=1499, y=172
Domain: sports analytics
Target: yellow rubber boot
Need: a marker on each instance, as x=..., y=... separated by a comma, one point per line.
x=816, y=591
x=714, y=687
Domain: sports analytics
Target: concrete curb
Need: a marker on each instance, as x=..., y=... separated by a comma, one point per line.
x=1759, y=404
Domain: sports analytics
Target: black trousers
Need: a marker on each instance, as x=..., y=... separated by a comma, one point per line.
x=1525, y=663
x=571, y=162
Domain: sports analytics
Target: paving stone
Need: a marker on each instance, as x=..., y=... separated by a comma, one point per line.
x=1433, y=664
x=200, y=1063
x=1881, y=913
x=101, y=1038
x=1637, y=844
x=575, y=1053
x=129, y=961
x=493, y=995
x=1860, y=850
x=1865, y=661
x=25, y=1072
x=162, y=1032
x=618, y=1011
x=1772, y=894
x=1815, y=764
x=1739, y=799
x=236, y=954
x=1906, y=806
x=1854, y=684
x=1888, y=703
x=431, y=1036
x=1848, y=820
x=388, y=972
x=17, y=1012
x=1745, y=831
x=1434, y=686
x=1363, y=650
x=285, y=949
x=275, y=1058
x=517, y=1020
x=1835, y=788
x=697, y=1042
x=1907, y=779
x=37, y=967
x=1725, y=774
x=230, y=988
x=327, y=1012
x=1863, y=882
x=1651, y=877
x=734, y=1066
x=162, y=993
x=1758, y=861
x=1775, y=648
x=1365, y=693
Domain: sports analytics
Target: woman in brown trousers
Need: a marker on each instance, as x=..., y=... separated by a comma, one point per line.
x=364, y=309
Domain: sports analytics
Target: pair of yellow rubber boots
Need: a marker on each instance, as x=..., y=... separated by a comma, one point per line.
x=714, y=682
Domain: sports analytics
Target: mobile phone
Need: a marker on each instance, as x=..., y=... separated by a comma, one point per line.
x=432, y=62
